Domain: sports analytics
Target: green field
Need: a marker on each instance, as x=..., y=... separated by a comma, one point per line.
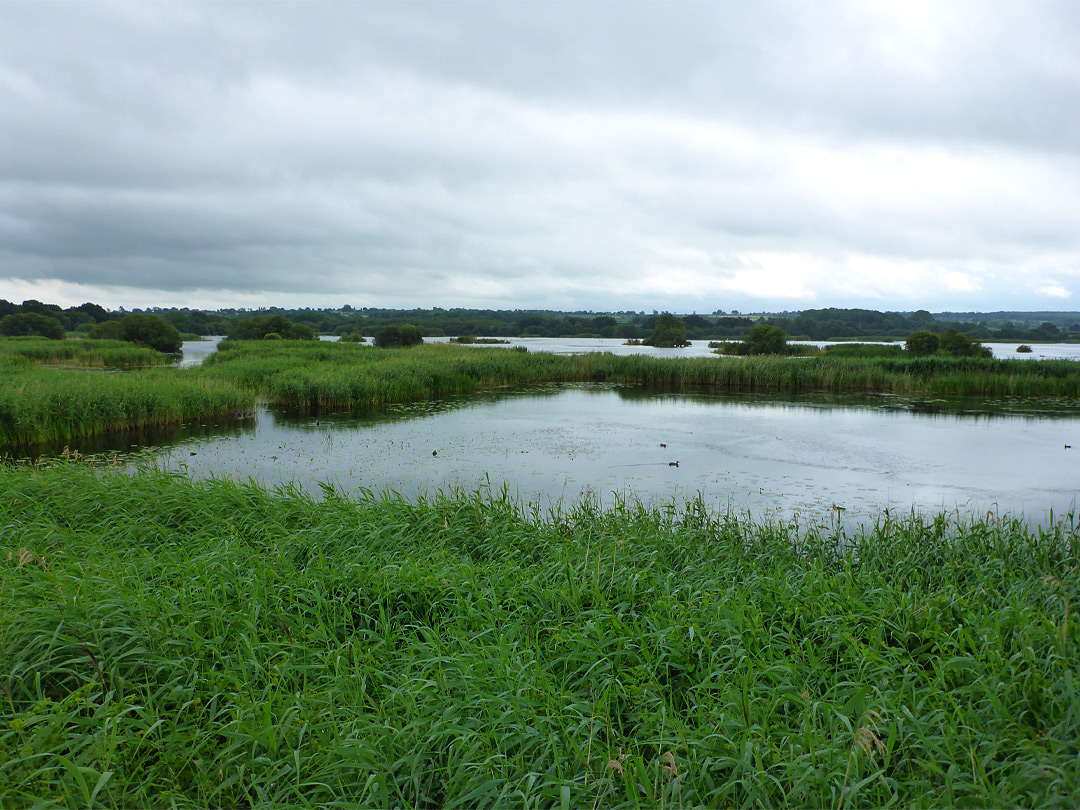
x=167, y=643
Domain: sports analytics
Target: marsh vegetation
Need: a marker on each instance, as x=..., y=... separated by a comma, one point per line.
x=216, y=644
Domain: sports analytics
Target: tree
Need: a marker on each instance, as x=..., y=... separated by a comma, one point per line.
x=106, y=330
x=960, y=345
x=34, y=306
x=150, y=330
x=922, y=342
x=95, y=311
x=922, y=318
x=258, y=327
x=390, y=337
x=668, y=332
x=32, y=323
x=765, y=339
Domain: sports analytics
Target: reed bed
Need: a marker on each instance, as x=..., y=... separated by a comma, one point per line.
x=50, y=405
x=38, y=405
x=169, y=643
x=349, y=376
x=86, y=353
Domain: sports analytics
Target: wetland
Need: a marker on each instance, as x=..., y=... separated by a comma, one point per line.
x=318, y=575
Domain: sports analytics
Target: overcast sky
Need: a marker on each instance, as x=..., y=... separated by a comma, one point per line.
x=558, y=155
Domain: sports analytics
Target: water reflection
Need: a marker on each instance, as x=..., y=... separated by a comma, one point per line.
x=804, y=458
x=194, y=352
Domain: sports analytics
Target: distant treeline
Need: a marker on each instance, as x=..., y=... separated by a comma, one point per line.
x=813, y=324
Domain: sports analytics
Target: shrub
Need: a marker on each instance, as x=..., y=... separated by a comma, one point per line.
x=922, y=342
x=31, y=323
x=390, y=337
x=669, y=332
x=765, y=339
x=150, y=330
x=960, y=345
x=106, y=330
x=260, y=326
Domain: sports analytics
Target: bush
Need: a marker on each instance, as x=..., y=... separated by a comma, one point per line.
x=261, y=326
x=31, y=323
x=765, y=339
x=150, y=330
x=922, y=342
x=353, y=337
x=390, y=337
x=1023, y=348
x=960, y=345
x=669, y=332
x=106, y=330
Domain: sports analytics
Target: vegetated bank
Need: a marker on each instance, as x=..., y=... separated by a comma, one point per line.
x=112, y=354
x=42, y=404
x=318, y=376
x=216, y=645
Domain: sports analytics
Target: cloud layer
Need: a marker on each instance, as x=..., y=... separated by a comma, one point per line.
x=599, y=156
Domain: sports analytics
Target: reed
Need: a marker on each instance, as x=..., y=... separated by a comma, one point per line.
x=341, y=377
x=216, y=645
x=85, y=353
x=50, y=405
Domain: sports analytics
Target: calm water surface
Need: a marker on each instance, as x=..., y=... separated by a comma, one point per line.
x=194, y=352
x=813, y=458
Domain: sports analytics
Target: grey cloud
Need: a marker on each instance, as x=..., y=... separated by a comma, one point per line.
x=541, y=153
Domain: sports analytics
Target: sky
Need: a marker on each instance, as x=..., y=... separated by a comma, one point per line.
x=605, y=156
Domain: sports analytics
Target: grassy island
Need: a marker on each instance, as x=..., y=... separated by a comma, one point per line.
x=41, y=403
x=315, y=376
x=66, y=390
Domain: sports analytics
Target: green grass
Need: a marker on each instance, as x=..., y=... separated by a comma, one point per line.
x=865, y=350
x=50, y=405
x=86, y=353
x=168, y=643
x=326, y=376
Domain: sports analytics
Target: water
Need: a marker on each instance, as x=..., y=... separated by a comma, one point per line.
x=194, y=352
x=811, y=458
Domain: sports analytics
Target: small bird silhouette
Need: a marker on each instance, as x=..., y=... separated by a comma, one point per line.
x=434, y=453
x=673, y=464
x=662, y=444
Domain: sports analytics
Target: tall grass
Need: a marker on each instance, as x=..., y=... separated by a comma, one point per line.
x=88, y=353
x=216, y=645
x=48, y=405
x=336, y=376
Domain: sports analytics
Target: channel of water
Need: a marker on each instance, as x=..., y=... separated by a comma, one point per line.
x=810, y=458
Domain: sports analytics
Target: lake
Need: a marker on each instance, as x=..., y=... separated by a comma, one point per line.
x=195, y=351
x=809, y=458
